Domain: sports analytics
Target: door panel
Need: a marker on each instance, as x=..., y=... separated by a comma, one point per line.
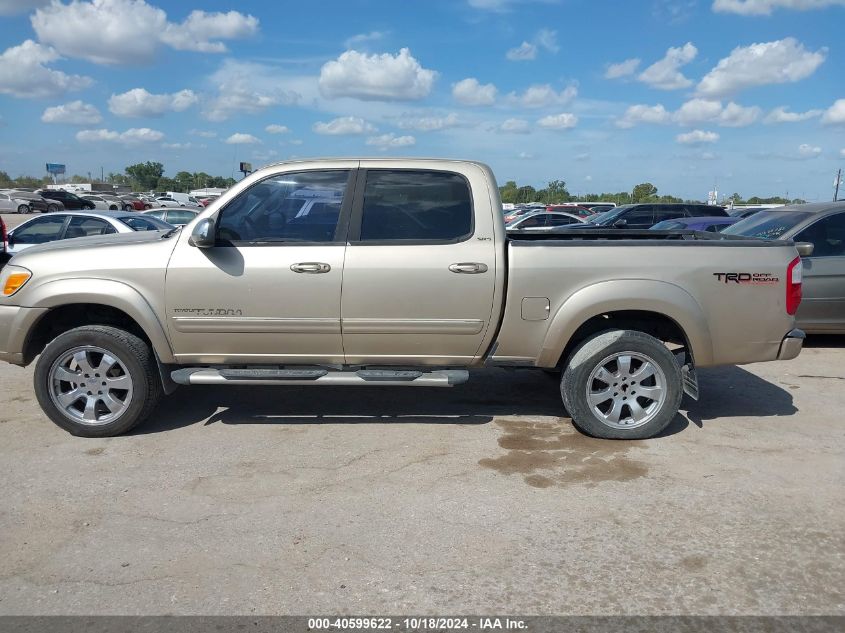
x=402, y=303
x=823, y=303
x=269, y=292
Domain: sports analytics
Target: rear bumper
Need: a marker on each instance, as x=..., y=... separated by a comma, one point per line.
x=791, y=345
x=15, y=324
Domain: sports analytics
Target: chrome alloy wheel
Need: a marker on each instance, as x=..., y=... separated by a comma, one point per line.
x=90, y=385
x=626, y=390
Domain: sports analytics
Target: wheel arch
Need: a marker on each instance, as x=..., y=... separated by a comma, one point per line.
x=77, y=302
x=661, y=309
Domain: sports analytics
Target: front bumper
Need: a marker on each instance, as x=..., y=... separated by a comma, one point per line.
x=791, y=345
x=15, y=325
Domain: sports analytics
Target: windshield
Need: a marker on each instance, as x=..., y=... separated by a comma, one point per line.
x=603, y=219
x=770, y=225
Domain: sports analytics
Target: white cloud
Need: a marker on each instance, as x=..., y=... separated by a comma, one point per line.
x=383, y=77
x=73, y=113
x=132, y=136
x=363, y=38
x=527, y=156
x=240, y=138
x=697, y=137
x=766, y=7
x=202, y=31
x=138, y=103
x=430, y=123
x=782, y=115
x=835, y=114
x=665, y=74
x=842, y=153
x=778, y=62
x=274, y=128
x=644, y=114
x=131, y=31
x=344, y=125
x=545, y=39
x=808, y=151
x=24, y=73
x=246, y=88
x=470, y=92
x=178, y=146
x=622, y=69
x=15, y=7
x=203, y=133
x=543, y=96
x=524, y=52
x=562, y=121
x=389, y=141
x=515, y=126
x=692, y=112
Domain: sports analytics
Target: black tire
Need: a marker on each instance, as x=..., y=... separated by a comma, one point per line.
x=600, y=349
x=23, y=209
x=133, y=354
x=52, y=208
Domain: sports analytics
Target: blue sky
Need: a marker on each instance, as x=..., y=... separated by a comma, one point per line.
x=746, y=94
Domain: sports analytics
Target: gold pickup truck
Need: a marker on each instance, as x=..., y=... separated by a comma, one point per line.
x=389, y=272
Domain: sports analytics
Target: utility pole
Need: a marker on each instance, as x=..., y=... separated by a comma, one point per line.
x=838, y=180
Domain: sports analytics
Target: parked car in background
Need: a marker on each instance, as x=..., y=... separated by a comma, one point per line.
x=14, y=202
x=542, y=221
x=174, y=216
x=137, y=203
x=713, y=224
x=117, y=200
x=67, y=225
x=28, y=201
x=517, y=212
x=598, y=207
x=69, y=200
x=4, y=255
x=184, y=199
x=744, y=212
x=646, y=215
x=102, y=203
x=580, y=211
x=822, y=224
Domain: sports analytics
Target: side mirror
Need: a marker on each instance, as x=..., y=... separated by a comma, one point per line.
x=805, y=249
x=621, y=223
x=203, y=234
x=10, y=239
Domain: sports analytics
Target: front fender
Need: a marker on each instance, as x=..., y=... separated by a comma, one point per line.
x=644, y=295
x=107, y=292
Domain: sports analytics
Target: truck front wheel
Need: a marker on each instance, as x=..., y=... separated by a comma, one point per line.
x=97, y=381
x=622, y=384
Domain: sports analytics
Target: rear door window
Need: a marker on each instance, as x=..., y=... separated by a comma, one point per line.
x=83, y=227
x=827, y=236
x=640, y=217
x=415, y=206
x=668, y=213
x=560, y=220
x=40, y=231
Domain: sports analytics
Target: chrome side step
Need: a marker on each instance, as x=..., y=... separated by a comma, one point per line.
x=317, y=376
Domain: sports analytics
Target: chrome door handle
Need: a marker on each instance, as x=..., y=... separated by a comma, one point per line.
x=312, y=268
x=468, y=268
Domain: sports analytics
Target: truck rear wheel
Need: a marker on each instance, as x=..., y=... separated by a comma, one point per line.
x=622, y=384
x=97, y=381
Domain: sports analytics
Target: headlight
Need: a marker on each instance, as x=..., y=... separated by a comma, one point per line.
x=13, y=278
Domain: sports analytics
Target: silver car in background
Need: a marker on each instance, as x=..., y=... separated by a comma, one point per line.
x=66, y=225
x=822, y=224
x=543, y=221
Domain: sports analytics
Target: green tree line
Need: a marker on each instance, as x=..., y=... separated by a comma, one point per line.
x=148, y=176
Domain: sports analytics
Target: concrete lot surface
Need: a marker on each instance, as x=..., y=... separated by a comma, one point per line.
x=478, y=499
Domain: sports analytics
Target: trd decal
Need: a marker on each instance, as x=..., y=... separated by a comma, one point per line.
x=754, y=279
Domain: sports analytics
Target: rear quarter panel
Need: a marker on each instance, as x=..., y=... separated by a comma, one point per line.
x=725, y=322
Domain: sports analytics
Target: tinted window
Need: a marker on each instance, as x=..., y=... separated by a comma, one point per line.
x=40, y=231
x=83, y=227
x=142, y=224
x=416, y=205
x=179, y=217
x=827, y=236
x=769, y=225
x=668, y=213
x=560, y=220
x=668, y=225
x=298, y=207
x=534, y=220
x=639, y=217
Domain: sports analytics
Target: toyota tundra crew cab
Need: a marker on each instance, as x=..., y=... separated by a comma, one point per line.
x=389, y=272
